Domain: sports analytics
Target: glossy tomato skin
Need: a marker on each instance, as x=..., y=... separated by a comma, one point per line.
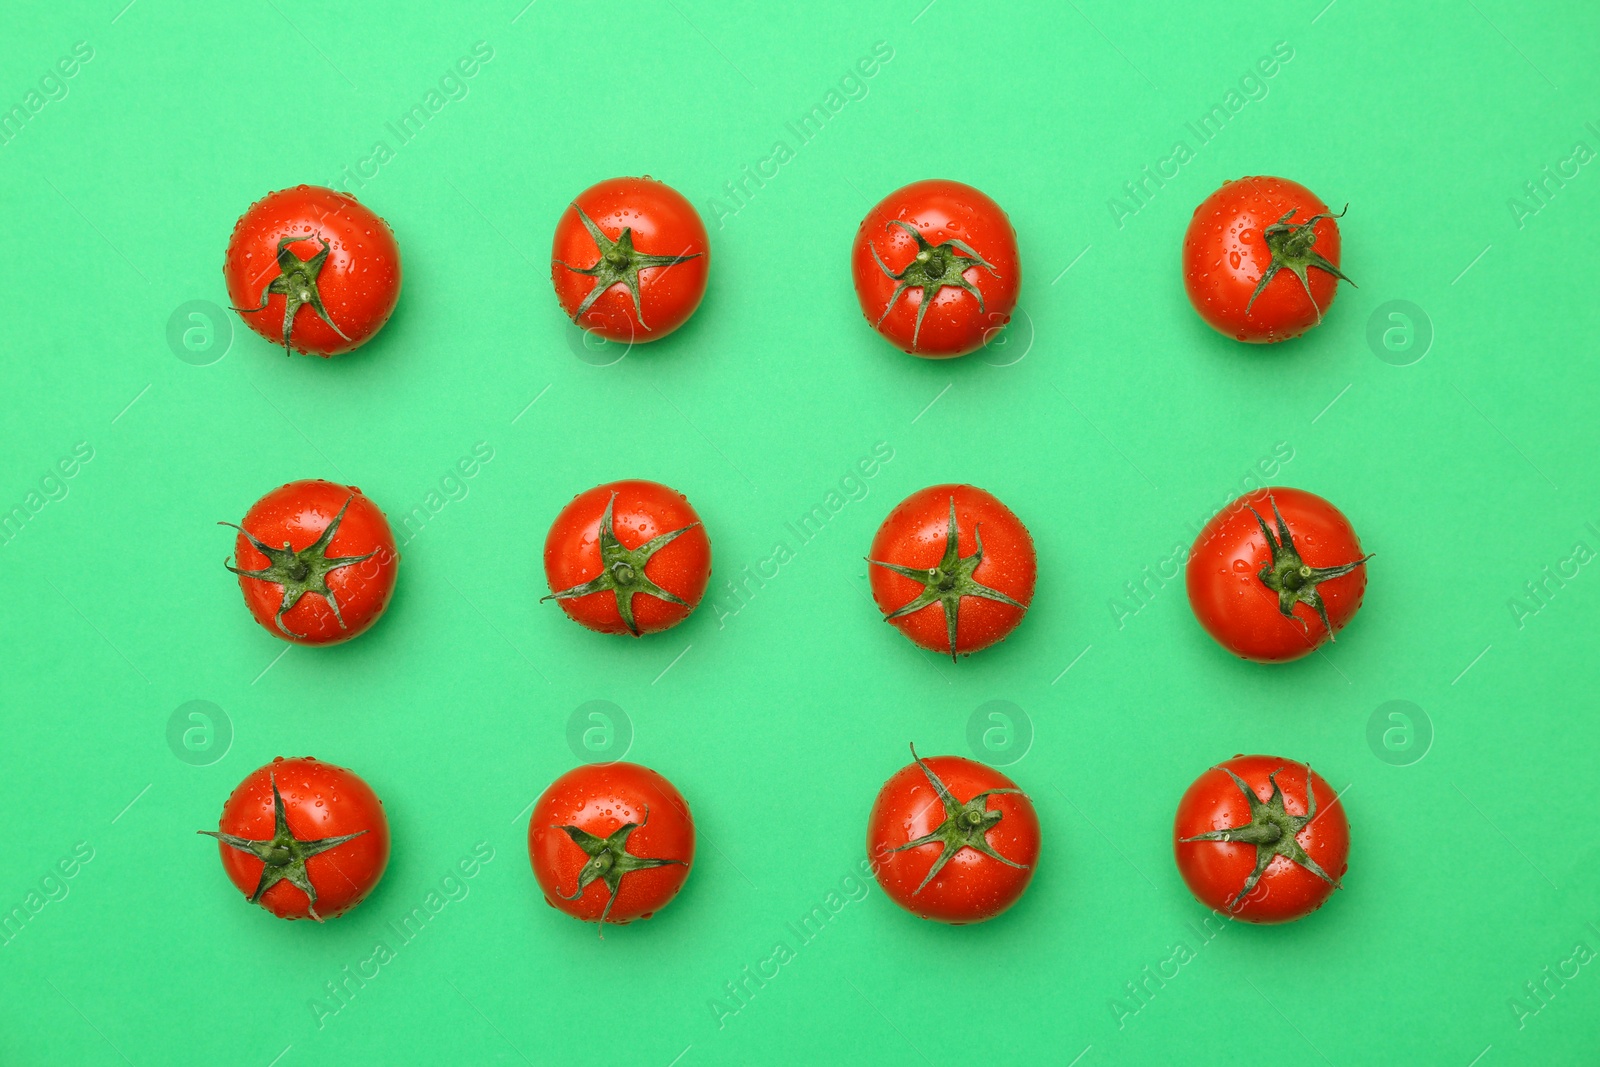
x=972, y=887
x=914, y=534
x=1226, y=592
x=941, y=211
x=664, y=223
x=643, y=510
x=359, y=283
x=1225, y=255
x=1216, y=871
x=320, y=800
x=297, y=513
x=599, y=798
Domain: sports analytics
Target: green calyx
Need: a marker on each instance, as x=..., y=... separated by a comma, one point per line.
x=302, y=572
x=1291, y=578
x=1272, y=831
x=619, y=263
x=1291, y=248
x=283, y=855
x=934, y=267
x=622, y=570
x=297, y=284
x=947, y=583
x=965, y=825
x=609, y=860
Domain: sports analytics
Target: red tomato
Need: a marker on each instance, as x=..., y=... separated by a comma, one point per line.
x=321, y=538
x=947, y=237
x=952, y=839
x=627, y=557
x=303, y=838
x=313, y=270
x=630, y=259
x=611, y=842
x=953, y=569
x=1251, y=841
x=1275, y=591
x=1261, y=259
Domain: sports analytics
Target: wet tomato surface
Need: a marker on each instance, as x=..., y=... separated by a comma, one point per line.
x=303, y=838
x=936, y=268
x=952, y=839
x=611, y=842
x=313, y=270
x=1275, y=574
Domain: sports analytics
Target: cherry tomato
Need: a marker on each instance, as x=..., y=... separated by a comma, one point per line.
x=627, y=557
x=953, y=569
x=948, y=238
x=630, y=259
x=952, y=839
x=303, y=838
x=1261, y=259
x=1275, y=574
x=611, y=842
x=318, y=538
x=313, y=270
x=1253, y=841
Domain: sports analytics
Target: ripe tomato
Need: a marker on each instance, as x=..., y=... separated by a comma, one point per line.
x=952, y=839
x=630, y=259
x=1276, y=593
x=611, y=842
x=627, y=557
x=954, y=569
x=303, y=838
x=315, y=249
x=1252, y=839
x=315, y=537
x=947, y=237
x=1261, y=259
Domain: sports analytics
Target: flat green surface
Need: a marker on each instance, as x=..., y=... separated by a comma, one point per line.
x=1113, y=422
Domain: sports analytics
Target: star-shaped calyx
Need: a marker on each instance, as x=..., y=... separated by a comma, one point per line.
x=622, y=570
x=297, y=284
x=948, y=582
x=1294, y=580
x=1291, y=250
x=965, y=825
x=933, y=268
x=609, y=859
x=283, y=855
x=1272, y=830
x=302, y=572
x=618, y=262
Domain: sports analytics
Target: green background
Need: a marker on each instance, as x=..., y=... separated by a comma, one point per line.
x=1109, y=418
